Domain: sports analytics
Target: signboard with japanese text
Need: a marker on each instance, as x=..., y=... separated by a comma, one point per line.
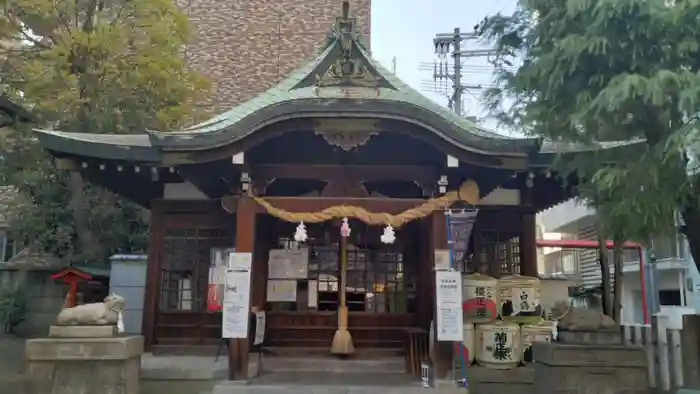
x=450, y=326
x=236, y=306
x=288, y=263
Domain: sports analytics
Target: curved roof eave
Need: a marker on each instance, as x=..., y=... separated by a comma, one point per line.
x=606, y=151
x=378, y=109
x=127, y=147
x=300, y=95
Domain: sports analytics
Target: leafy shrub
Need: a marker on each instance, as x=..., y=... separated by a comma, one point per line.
x=12, y=308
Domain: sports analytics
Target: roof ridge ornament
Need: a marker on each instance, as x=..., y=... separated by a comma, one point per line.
x=348, y=69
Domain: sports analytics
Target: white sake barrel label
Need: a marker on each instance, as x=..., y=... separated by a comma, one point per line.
x=525, y=300
x=500, y=345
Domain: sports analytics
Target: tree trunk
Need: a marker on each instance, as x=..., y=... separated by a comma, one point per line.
x=80, y=59
x=691, y=230
x=606, y=290
x=617, y=278
x=87, y=246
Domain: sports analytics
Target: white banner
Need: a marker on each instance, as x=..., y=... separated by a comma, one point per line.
x=259, y=328
x=448, y=287
x=237, y=296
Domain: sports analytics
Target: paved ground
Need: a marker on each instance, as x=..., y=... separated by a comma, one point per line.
x=12, y=364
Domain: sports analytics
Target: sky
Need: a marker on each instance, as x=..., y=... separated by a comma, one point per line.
x=404, y=29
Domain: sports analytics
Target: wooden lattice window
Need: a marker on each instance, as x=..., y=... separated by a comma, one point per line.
x=492, y=253
x=185, y=267
x=377, y=280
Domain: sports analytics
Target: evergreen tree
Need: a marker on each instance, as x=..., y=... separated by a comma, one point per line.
x=87, y=66
x=596, y=71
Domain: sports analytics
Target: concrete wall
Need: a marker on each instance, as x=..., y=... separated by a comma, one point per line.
x=128, y=279
x=247, y=46
x=566, y=217
x=553, y=290
x=669, y=279
x=44, y=299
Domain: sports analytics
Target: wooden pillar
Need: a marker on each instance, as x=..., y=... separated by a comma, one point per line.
x=152, y=290
x=245, y=243
x=528, y=234
x=442, y=351
x=424, y=273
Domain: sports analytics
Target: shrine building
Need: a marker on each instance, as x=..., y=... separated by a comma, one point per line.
x=339, y=137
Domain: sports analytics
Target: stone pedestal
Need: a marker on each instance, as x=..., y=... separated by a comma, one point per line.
x=69, y=365
x=598, y=337
x=82, y=331
x=589, y=368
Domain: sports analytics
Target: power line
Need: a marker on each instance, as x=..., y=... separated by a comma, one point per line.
x=446, y=72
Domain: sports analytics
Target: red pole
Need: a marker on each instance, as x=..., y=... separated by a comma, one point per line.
x=72, y=293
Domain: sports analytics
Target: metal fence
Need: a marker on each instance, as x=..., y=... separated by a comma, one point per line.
x=663, y=349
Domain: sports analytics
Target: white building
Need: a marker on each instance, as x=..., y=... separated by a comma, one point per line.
x=676, y=277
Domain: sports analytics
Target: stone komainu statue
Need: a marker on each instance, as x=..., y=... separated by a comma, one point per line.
x=96, y=314
x=580, y=319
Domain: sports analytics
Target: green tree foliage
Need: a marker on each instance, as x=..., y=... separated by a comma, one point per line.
x=596, y=71
x=88, y=66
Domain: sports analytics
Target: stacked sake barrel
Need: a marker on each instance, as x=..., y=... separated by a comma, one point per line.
x=502, y=318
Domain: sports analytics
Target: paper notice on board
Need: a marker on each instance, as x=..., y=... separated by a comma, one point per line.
x=240, y=261
x=288, y=263
x=442, y=259
x=281, y=291
x=313, y=294
x=235, y=320
x=236, y=296
x=237, y=286
x=259, y=328
x=450, y=324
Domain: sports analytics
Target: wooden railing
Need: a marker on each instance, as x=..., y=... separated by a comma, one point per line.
x=416, y=350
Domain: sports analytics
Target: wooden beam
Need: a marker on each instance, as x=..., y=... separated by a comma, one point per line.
x=443, y=355
x=151, y=292
x=528, y=235
x=245, y=243
x=421, y=174
x=64, y=163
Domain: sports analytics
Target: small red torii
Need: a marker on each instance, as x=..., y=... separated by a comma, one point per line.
x=72, y=276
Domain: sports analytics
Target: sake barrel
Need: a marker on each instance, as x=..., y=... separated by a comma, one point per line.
x=498, y=345
x=467, y=348
x=519, y=299
x=536, y=332
x=479, y=298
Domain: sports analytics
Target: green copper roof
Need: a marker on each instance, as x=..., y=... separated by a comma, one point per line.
x=343, y=79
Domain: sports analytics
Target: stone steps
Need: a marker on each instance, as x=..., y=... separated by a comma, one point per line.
x=154, y=367
x=390, y=365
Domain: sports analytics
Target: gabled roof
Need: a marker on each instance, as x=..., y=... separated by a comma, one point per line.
x=342, y=81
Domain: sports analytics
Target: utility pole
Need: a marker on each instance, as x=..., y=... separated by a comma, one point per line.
x=393, y=65
x=450, y=45
x=457, y=59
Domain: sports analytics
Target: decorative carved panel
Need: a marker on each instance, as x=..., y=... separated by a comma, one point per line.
x=346, y=134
